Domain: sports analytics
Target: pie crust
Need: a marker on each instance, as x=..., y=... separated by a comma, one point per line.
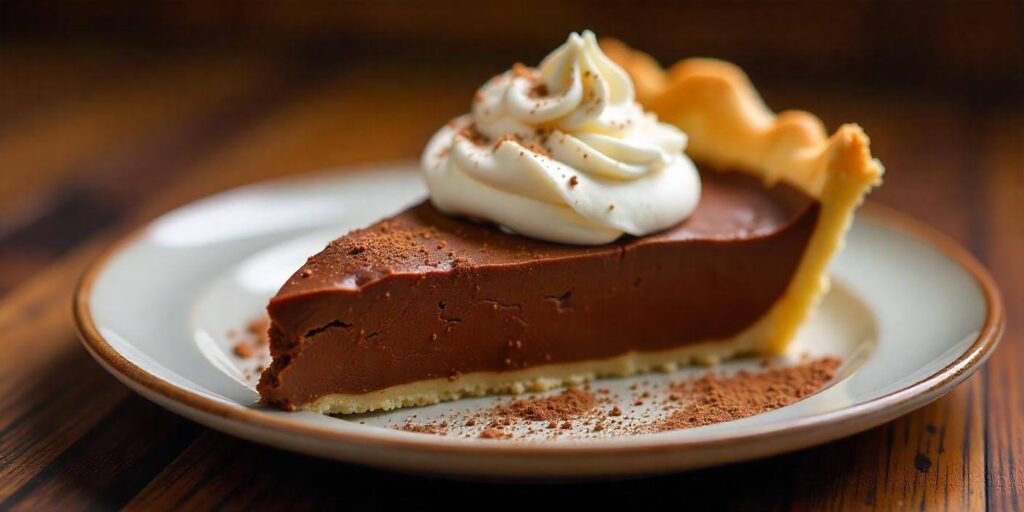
x=729, y=126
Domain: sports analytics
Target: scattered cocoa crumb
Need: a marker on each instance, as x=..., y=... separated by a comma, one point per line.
x=566, y=425
x=426, y=428
x=244, y=349
x=258, y=325
x=471, y=422
x=253, y=336
x=493, y=433
x=573, y=181
x=616, y=411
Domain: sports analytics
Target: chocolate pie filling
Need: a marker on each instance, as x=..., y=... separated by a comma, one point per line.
x=423, y=295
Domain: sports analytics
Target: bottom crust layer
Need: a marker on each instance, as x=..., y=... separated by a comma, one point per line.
x=754, y=340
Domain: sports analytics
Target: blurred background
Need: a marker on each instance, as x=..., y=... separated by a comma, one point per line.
x=114, y=111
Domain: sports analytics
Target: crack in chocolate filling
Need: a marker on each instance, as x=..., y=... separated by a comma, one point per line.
x=333, y=324
x=442, y=295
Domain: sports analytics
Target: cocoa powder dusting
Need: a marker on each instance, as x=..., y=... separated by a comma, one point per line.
x=508, y=137
x=579, y=412
x=537, y=148
x=532, y=146
x=713, y=399
x=569, y=404
x=392, y=244
x=473, y=135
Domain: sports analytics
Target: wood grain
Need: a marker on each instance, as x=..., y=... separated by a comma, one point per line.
x=124, y=151
x=1004, y=197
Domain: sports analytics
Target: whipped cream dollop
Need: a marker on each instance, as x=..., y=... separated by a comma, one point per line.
x=563, y=153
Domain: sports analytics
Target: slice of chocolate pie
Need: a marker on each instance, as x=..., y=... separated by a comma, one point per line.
x=568, y=237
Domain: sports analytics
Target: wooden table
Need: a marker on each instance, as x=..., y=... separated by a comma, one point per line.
x=94, y=142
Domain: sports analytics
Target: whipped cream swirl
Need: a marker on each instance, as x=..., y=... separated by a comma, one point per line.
x=563, y=153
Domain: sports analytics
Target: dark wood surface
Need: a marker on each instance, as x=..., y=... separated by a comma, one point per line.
x=95, y=141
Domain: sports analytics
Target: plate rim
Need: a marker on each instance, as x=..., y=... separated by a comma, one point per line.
x=928, y=388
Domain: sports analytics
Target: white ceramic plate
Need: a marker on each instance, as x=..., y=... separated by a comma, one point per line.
x=910, y=312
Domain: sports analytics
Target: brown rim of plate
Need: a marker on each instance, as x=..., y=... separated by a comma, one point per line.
x=970, y=360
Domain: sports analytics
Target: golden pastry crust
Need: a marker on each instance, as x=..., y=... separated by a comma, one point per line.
x=729, y=126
